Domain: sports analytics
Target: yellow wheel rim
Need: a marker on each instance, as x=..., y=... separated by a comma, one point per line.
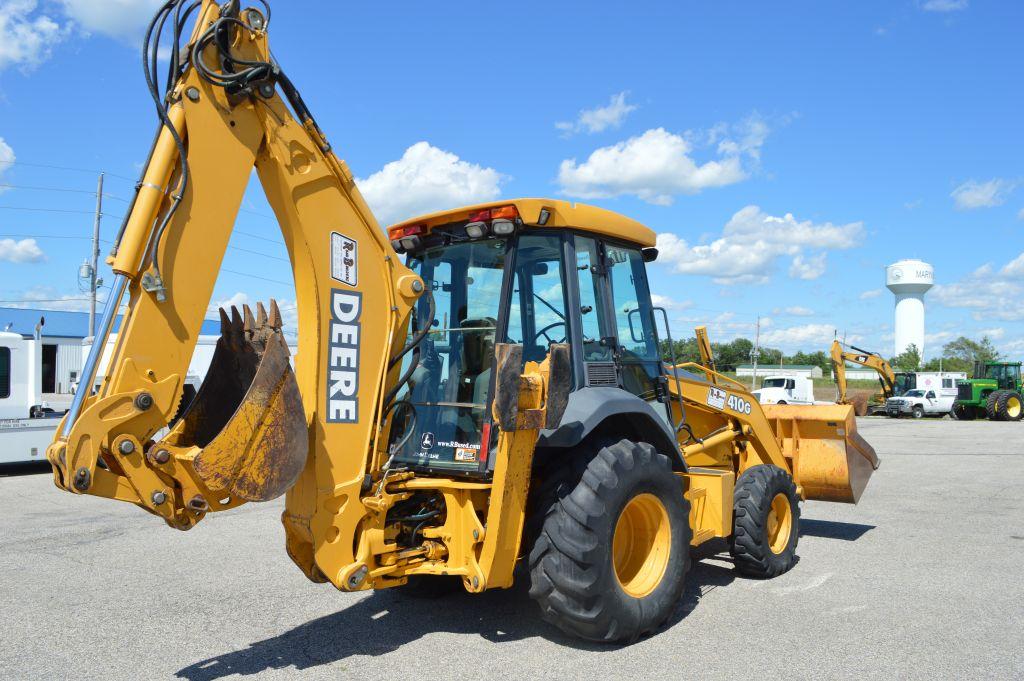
x=1013, y=407
x=641, y=545
x=780, y=523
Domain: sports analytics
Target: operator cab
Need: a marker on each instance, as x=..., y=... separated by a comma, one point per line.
x=530, y=272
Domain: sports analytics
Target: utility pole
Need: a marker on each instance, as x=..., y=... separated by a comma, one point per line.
x=93, y=274
x=755, y=353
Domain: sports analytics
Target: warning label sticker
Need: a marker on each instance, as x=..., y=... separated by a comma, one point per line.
x=465, y=454
x=344, y=260
x=716, y=398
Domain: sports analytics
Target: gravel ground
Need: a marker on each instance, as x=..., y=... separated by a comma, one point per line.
x=921, y=580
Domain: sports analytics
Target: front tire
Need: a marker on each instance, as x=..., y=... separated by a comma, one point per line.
x=611, y=558
x=918, y=411
x=1009, y=406
x=766, y=522
x=963, y=412
x=991, y=403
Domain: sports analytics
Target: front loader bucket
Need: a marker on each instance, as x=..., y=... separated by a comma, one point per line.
x=831, y=461
x=247, y=418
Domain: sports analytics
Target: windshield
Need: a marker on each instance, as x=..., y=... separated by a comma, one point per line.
x=439, y=422
x=915, y=393
x=774, y=383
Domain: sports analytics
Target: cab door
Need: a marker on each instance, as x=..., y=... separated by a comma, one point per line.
x=619, y=345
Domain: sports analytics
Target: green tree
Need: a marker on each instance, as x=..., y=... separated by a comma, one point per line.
x=908, y=360
x=967, y=352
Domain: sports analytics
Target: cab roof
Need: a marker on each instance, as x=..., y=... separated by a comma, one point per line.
x=561, y=214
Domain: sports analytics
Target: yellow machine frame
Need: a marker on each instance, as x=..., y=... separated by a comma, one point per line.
x=338, y=487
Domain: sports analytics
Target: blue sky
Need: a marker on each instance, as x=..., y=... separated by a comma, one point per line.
x=786, y=152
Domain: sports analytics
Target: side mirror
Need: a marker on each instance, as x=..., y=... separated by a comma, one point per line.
x=649, y=254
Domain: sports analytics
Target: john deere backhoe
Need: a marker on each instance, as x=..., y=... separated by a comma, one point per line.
x=498, y=398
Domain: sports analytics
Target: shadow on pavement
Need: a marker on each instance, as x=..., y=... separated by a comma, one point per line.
x=830, y=529
x=16, y=469
x=384, y=621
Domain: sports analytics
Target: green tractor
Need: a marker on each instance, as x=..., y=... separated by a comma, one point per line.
x=994, y=393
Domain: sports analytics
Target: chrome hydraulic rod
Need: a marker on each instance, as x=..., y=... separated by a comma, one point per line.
x=99, y=342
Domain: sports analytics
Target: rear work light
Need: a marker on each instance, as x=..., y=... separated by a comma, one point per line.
x=500, y=221
x=406, y=237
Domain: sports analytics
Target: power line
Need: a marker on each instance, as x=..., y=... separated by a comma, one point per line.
x=291, y=285
x=92, y=171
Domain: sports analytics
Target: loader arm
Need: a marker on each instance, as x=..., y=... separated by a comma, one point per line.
x=840, y=356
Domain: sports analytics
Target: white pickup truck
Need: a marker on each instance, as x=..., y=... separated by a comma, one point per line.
x=785, y=390
x=919, y=403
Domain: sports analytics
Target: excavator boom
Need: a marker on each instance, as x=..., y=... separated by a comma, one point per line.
x=872, y=360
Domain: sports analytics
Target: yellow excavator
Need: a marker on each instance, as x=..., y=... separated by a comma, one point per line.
x=473, y=390
x=887, y=378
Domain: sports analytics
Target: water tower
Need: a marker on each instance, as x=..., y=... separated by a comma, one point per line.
x=909, y=280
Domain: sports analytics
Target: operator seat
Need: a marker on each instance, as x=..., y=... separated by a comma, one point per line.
x=478, y=352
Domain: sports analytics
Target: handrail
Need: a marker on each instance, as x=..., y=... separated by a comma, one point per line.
x=712, y=375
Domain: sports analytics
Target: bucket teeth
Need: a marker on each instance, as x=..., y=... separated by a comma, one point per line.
x=236, y=333
x=261, y=315
x=250, y=322
x=275, y=316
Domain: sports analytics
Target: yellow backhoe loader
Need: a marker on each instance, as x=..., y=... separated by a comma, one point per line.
x=871, y=360
x=496, y=399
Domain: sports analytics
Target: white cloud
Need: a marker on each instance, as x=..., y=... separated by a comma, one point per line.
x=996, y=333
x=655, y=167
x=24, y=251
x=794, y=311
x=48, y=298
x=746, y=137
x=943, y=5
x=808, y=268
x=803, y=336
x=427, y=179
x=991, y=294
x=670, y=303
x=6, y=159
x=752, y=241
x=599, y=118
x=26, y=36
x=1020, y=214
x=872, y=293
x=124, y=20
x=973, y=194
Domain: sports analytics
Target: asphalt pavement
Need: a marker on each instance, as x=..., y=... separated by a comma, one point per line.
x=922, y=580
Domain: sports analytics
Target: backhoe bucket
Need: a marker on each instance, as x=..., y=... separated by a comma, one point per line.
x=247, y=417
x=831, y=461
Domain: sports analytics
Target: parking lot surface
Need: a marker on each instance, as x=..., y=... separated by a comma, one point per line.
x=922, y=580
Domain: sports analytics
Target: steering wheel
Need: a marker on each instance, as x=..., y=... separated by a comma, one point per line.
x=545, y=332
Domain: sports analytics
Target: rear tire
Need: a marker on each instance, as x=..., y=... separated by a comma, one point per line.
x=610, y=561
x=991, y=402
x=1009, y=406
x=766, y=522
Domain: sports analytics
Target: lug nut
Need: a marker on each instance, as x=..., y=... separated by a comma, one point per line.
x=160, y=456
x=192, y=93
x=126, y=447
x=267, y=90
x=143, y=401
x=159, y=497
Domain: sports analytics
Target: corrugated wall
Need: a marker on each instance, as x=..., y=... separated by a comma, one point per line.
x=69, y=361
